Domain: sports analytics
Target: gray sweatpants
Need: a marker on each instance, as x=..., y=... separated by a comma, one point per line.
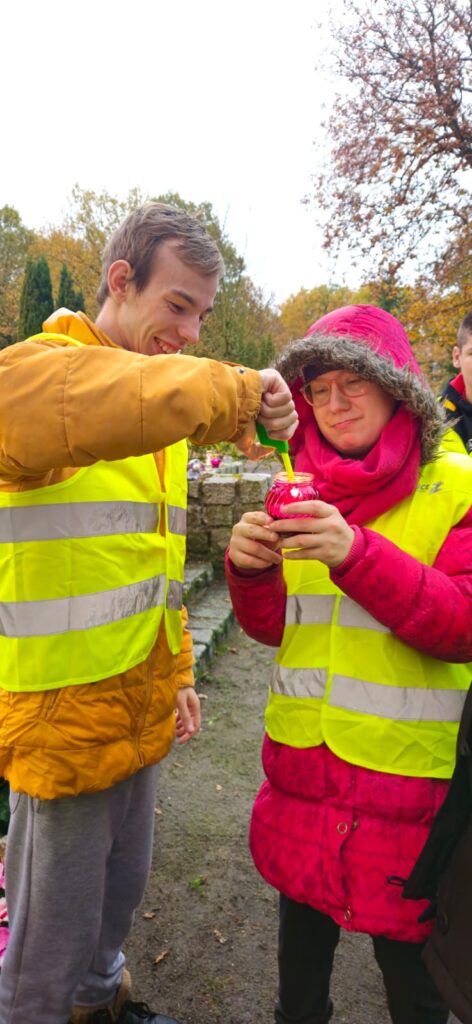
x=76, y=869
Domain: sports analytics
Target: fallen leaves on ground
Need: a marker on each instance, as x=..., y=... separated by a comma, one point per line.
x=161, y=956
x=219, y=937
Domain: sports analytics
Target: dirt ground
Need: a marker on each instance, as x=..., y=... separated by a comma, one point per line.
x=203, y=948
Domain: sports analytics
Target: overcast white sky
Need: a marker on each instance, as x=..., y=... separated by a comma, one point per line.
x=218, y=101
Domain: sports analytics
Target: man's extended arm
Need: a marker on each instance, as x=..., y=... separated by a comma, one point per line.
x=67, y=407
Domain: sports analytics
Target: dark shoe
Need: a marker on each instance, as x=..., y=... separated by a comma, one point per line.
x=280, y=1017
x=132, y=1013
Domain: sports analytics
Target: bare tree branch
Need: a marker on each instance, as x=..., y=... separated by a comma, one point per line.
x=402, y=139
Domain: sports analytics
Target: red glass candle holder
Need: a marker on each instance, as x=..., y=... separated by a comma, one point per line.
x=285, y=491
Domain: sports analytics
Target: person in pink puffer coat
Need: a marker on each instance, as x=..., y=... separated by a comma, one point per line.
x=370, y=606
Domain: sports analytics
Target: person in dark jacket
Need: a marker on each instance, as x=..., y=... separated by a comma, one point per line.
x=443, y=874
x=456, y=398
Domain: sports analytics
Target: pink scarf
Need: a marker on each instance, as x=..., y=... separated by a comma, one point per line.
x=363, y=488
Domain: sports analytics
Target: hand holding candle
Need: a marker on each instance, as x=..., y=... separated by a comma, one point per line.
x=286, y=490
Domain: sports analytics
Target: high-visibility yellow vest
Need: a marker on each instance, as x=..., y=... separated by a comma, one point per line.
x=86, y=575
x=343, y=678
x=452, y=442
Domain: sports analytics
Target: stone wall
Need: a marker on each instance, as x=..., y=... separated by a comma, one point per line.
x=215, y=502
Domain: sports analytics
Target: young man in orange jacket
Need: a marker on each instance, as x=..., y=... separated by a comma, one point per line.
x=97, y=660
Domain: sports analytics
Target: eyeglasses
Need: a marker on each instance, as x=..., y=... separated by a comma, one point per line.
x=318, y=393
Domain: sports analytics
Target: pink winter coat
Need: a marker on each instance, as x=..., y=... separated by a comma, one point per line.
x=325, y=831
x=329, y=833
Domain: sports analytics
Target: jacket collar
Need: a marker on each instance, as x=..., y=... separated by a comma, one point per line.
x=77, y=326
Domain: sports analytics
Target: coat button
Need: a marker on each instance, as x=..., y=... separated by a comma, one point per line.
x=347, y=914
x=355, y=825
x=442, y=922
x=342, y=828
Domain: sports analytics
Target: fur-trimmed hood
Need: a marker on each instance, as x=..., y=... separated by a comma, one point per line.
x=371, y=343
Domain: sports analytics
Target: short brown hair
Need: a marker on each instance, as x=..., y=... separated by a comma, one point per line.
x=465, y=331
x=143, y=231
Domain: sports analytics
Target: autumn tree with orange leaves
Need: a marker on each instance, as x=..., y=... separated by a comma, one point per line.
x=398, y=181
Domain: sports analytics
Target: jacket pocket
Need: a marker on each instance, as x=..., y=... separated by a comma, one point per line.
x=14, y=800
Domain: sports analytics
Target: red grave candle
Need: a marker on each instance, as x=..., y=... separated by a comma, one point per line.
x=285, y=491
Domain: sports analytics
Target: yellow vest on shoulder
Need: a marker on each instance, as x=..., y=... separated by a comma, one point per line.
x=88, y=569
x=343, y=678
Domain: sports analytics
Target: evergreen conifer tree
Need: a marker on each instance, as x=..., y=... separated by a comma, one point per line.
x=36, y=298
x=79, y=302
x=67, y=296
x=66, y=292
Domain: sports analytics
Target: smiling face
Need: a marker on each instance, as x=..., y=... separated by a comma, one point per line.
x=352, y=424
x=167, y=314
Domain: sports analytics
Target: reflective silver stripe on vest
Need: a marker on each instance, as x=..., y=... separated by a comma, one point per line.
x=177, y=519
x=77, y=519
x=353, y=615
x=175, y=595
x=67, y=614
x=299, y=682
x=317, y=610
x=401, y=703
x=309, y=609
